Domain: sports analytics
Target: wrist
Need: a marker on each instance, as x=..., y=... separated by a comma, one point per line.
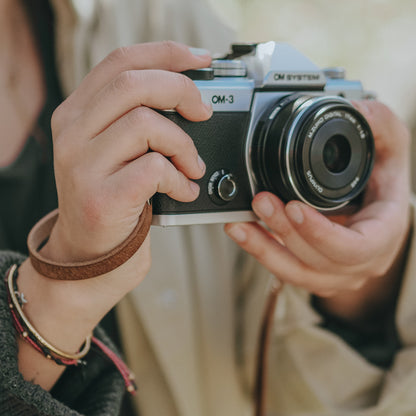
x=65, y=312
x=58, y=310
x=55, y=326
x=375, y=298
x=46, y=230
x=65, y=244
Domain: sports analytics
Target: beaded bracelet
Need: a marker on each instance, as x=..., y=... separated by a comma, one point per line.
x=31, y=335
x=33, y=338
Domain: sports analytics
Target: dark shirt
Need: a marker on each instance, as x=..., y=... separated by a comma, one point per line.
x=27, y=186
x=94, y=390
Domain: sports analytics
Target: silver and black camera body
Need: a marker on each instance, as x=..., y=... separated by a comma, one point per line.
x=279, y=124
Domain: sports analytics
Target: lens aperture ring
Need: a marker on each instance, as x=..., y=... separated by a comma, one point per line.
x=318, y=149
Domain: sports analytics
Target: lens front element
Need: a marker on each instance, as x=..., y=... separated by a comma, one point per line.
x=337, y=153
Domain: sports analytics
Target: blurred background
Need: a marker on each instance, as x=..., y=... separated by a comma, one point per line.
x=375, y=40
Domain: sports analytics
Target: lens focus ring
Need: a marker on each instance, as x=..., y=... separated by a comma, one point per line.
x=318, y=149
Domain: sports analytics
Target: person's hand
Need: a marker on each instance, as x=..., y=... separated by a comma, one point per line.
x=112, y=152
x=315, y=252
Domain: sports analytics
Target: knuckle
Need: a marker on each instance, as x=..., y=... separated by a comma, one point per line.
x=169, y=45
x=375, y=107
x=120, y=54
x=261, y=252
x=140, y=116
x=186, y=145
x=63, y=151
x=170, y=48
x=258, y=253
x=126, y=81
x=282, y=228
x=158, y=164
x=185, y=84
x=58, y=118
x=319, y=236
x=254, y=245
x=369, y=109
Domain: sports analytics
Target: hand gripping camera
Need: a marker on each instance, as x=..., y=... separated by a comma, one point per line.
x=280, y=124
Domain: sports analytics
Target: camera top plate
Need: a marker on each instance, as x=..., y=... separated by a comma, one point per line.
x=280, y=65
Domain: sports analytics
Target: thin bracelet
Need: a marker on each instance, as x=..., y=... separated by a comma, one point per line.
x=33, y=338
x=15, y=304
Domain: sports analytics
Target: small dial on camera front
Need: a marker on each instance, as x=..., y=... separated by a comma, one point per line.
x=222, y=187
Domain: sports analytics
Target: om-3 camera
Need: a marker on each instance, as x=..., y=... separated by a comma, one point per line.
x=280, y=124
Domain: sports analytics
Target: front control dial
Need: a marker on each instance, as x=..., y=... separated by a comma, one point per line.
x=222, y=187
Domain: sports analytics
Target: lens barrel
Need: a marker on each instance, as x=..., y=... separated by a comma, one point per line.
x=318, y=149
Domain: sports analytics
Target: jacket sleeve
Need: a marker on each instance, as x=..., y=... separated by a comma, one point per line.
x=329, y=372
x=95, y=389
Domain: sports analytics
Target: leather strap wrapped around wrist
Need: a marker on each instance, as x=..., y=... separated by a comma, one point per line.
x=84, y=269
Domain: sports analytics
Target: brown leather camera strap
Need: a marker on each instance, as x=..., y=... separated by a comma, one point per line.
x=263, y=349
x=84, y=269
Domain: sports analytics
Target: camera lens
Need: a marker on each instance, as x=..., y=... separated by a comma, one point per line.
x=337, y=153
x=318, y=149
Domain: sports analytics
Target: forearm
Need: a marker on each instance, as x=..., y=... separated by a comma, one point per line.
x=79, y=389
x=58, y=316
x=65, y=312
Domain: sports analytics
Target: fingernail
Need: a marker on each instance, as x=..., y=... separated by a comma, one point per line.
x=199, y=51
x=201, y=164
x=264, y=207
x=194, y=187
x=237, y=233
x=208, y=107
x=294, y=212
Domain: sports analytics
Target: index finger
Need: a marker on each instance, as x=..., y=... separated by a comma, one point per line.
x=161, y=90
x=391, y=136
x=352, y=245
x=167, y=55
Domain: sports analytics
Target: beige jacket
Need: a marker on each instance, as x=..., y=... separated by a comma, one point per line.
x=190, y=329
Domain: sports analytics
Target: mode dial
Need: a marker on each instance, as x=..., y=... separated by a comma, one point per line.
x=229, y=68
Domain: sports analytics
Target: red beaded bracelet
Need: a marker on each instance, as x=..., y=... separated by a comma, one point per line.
x=27, y=331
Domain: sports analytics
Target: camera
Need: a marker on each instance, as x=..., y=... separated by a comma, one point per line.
x=280, y=124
